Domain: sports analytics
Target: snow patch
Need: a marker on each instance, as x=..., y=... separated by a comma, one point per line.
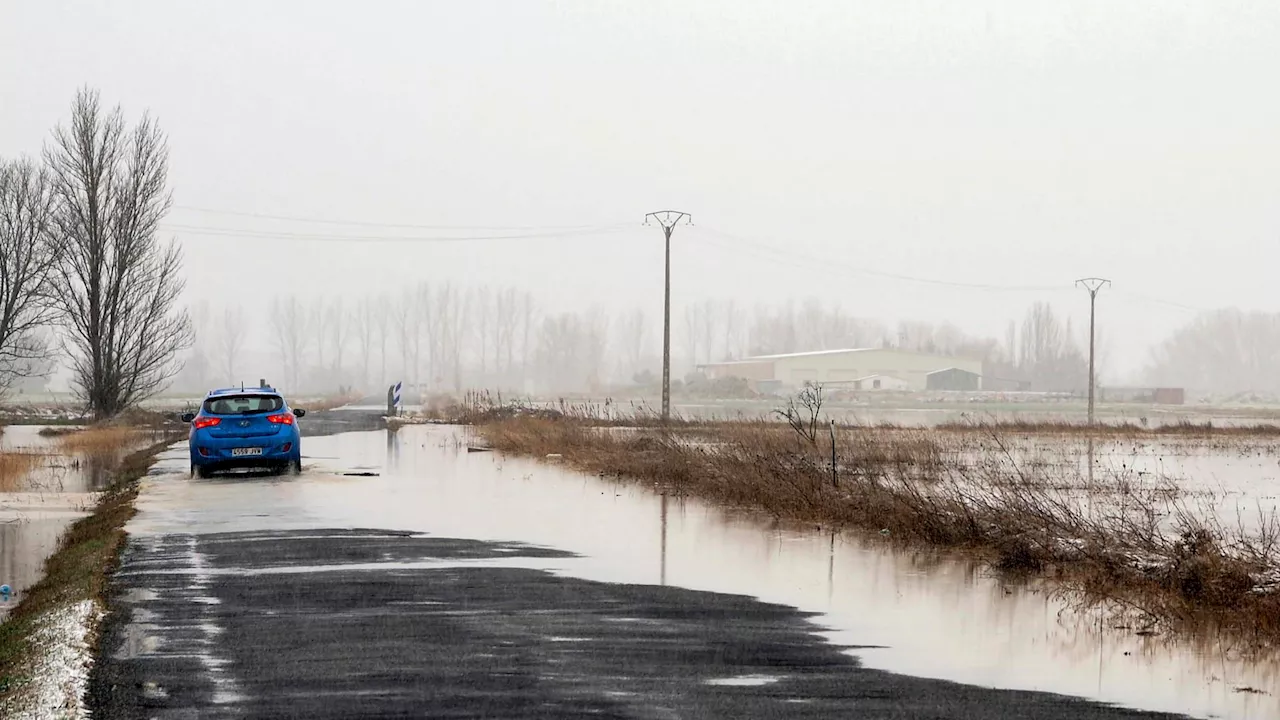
x=60, y=669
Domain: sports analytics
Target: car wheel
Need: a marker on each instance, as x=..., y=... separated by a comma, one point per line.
x=203, y=472
x=296, y=465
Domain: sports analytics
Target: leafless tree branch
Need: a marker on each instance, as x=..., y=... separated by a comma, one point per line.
x=117, y=285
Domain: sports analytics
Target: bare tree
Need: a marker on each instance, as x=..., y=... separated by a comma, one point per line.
x=803, y=412
x=26, y=263
x=528, y=314
x=231, y=336
x=595, y=345
x=365, y=318
x=339, y=332
x=318, y=324
x=196, y=371
x=506, y=320
x=406, y=319
x=382, y=322
x=1221, y=352
x=560, y=354
x=290, y=333
x=117, y=286
x=632, y=341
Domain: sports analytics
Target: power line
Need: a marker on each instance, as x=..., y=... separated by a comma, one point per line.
x=830, y=261
x=790, y=256
x=316, y=237
x=367, y=223
x=1158, y=301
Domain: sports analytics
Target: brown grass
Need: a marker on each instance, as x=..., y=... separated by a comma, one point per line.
x=1138, y=547
x=101, y=439
x=14, y=467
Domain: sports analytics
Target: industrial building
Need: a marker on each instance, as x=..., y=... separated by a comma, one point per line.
x=854, y=369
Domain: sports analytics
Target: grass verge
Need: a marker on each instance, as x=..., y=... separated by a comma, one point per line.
x=1119, y=539
x=76, y=573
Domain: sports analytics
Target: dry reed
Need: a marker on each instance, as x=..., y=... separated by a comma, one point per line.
x=14, y=468
x=102, y=439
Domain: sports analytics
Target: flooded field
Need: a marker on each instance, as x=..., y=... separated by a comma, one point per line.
x=1234, y=479
x=57, y=485
x=921, y=614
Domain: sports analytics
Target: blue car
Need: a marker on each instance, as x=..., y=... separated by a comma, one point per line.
x=244, y=428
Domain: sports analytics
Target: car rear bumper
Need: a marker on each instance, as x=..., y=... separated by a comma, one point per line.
x=208, y=451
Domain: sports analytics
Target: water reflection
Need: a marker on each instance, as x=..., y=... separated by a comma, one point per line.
x=25, y=542
x=930, y=614
x=663, y=552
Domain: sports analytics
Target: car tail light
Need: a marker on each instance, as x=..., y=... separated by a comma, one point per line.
x=286, y=447
x=281, y=419
x=204, y=422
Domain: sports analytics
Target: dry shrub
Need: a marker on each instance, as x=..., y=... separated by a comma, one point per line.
x=14, y=467
x=53, y=431
x=102, y=439
x=1018, y=512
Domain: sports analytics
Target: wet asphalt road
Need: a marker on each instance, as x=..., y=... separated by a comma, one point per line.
x=335, y=622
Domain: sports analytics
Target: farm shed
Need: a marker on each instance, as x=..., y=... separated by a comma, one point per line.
x=953, y=379
x=843, y=367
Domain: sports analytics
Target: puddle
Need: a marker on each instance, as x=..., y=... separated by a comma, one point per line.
x=906, y=612
x=24, y=544
x=25, y=437
x=745, y=681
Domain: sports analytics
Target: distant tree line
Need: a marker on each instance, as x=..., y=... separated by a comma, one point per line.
x=83, y=275
x=449, y=338
x=1221, y=352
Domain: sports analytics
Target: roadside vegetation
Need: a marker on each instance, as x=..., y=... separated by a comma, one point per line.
x=14, y=466
x=1136, y=544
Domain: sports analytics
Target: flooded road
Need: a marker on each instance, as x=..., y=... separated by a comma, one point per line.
x=524, y=576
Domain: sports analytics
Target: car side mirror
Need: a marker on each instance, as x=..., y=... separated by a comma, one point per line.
x=188, y=417
x=299, y=412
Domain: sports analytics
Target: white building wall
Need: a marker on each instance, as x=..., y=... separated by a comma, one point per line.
x=913, y=368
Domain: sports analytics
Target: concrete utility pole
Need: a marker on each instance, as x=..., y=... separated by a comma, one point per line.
x=1093, y=285
x=668, y=219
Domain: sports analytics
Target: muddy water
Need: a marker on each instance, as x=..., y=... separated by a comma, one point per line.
x=52, y=497
x=933, y=618
x=27, y=537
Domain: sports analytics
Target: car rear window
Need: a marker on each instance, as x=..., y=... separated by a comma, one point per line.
x=243, y=404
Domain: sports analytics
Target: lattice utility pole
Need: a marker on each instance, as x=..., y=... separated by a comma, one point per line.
x=667, y=219
x=1093, y=285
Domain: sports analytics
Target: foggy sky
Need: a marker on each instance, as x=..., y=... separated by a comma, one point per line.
x=1007, y=146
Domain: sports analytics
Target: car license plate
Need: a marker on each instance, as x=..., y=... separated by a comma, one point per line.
x=239, y=452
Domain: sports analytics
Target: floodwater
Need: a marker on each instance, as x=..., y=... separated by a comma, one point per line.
x=932, y=617
x=60, y=490
x=1235, y=478
x=29, y=532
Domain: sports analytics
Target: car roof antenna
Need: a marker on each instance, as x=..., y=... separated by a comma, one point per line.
x=241, y=386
